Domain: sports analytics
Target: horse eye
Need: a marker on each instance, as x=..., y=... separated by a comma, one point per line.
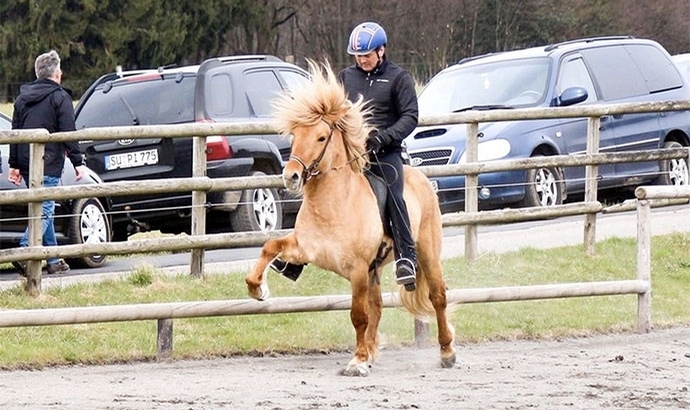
x=322, y=139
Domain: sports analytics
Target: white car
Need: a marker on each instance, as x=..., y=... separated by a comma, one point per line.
x=682, y=61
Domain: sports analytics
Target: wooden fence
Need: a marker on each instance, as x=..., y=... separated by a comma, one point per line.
x=199, y=185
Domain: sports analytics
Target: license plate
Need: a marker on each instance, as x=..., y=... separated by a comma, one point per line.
x=131, y=159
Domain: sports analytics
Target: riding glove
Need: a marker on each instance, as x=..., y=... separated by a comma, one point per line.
x=375, y=142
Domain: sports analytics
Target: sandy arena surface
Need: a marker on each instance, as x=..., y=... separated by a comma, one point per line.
x=618, y=371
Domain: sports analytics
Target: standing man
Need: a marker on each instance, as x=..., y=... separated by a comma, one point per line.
x=391, y=96
x=45, y=104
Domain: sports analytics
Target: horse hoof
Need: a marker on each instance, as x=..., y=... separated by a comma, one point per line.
x=261, y=293
x=360, y=370
x=265, y=293
x=448, y=362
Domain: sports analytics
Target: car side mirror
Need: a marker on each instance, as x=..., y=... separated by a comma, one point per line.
x=570, y=96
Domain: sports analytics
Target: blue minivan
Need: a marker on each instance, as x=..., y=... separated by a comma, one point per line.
x=605, y=70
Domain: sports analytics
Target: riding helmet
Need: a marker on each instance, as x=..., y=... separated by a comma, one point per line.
x=366, y=38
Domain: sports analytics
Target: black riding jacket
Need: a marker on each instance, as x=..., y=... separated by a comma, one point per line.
x=44, y=104
x=390, y=93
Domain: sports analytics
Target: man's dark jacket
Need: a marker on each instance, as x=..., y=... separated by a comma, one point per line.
x=391, y=95
x=45, y=104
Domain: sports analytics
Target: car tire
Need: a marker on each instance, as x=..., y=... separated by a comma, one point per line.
x=260, y=210
x=673, y=172
x=543, y=188
x=89, y=224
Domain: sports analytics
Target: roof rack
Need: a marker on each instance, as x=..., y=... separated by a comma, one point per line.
x=248, y=57
x=162, y=68
x=586, y=40
x=472, y=58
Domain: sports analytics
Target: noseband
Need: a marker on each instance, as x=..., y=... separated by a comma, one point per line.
x=312, y=170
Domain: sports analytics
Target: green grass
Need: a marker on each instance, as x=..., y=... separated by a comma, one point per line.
x=32, y=347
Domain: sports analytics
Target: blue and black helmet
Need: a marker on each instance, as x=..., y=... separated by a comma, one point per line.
x=365, y=38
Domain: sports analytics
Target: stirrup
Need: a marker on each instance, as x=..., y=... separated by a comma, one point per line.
x=405, y=273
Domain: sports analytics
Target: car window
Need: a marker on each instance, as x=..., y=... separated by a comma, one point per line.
x=574, y=74
x=516, y=83
x=5, y=123
x=293, y=79
x=261, y=88
x=615, y=72
x=683, y=65
x=655, y=67
x=132, y=104
x=220, y=95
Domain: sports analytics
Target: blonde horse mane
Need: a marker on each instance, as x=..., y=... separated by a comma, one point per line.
x=325, y=99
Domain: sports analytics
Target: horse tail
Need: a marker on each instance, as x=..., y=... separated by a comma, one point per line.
x=418, y=302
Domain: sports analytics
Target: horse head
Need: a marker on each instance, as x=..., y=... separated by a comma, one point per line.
x=309, y=154
x=328, y=131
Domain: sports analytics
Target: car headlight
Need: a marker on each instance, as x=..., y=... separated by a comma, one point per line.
x=490, y=150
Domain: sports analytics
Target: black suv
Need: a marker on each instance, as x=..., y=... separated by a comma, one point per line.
x=224, y=89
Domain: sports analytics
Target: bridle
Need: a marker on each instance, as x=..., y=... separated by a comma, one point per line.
x=308, y=172
x=312, y=170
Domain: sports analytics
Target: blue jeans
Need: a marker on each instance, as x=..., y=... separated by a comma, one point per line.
x=48, y=218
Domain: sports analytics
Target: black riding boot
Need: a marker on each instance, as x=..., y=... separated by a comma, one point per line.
x=287, y=269
x=405, y=259
x=390, y=167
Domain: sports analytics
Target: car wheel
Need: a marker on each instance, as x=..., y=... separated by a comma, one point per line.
x=544, y=188
x=259, y=210
x=673, y=171
x=89, y=224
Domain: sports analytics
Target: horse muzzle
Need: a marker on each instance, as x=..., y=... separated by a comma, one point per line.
x=293, y=179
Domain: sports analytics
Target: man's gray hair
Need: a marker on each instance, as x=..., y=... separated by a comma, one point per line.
x=47, y=64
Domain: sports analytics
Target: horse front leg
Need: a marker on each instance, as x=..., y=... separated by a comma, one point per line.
x=375, y=311
x=359, y=316
x=256, y=280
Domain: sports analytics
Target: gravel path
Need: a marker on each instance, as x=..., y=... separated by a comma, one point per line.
x=618, y=371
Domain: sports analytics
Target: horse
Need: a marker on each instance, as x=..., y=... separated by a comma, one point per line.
x=339, y=226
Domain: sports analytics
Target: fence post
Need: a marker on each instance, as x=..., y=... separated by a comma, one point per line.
x=471, y=182
x=35, y=213
x=591, y=185
x=164, y=339
x=644, y=265
x=198, y=221
x=421, y=333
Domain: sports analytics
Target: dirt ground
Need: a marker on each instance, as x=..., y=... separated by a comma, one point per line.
x=621, y=371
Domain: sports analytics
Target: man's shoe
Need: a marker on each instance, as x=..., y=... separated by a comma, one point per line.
x=57, y=268
x=287, y=269
x=405, y=273
x=21, y=267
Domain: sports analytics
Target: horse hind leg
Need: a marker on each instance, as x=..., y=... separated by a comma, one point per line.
x=437, y=294
x=430, y=299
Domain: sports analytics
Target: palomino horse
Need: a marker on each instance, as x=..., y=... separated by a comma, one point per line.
x=339, y=227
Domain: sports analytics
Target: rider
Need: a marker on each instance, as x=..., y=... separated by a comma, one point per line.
x=392, y=98
x=390, y=92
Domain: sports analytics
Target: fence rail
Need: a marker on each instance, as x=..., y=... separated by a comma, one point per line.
x=199, y=185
